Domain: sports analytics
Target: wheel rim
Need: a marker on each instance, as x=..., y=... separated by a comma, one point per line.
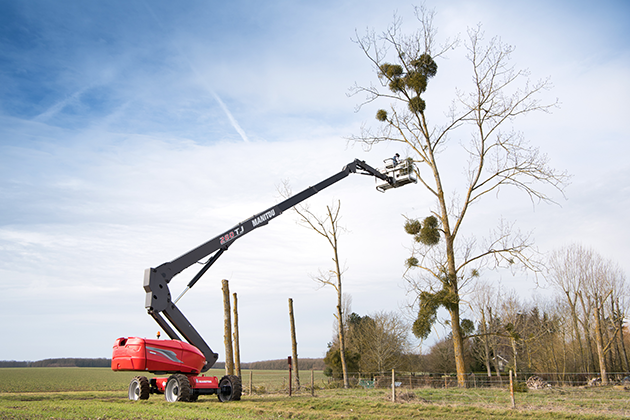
x=134, y=391
x=225, y=390
x=229, y=388
x=172, y=391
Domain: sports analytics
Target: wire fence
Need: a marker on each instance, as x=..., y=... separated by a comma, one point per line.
x=277, y=381
x=535, y=380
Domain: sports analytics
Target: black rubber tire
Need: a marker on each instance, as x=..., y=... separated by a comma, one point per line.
x=139, y=388
x=177, y=388
x=230, y=388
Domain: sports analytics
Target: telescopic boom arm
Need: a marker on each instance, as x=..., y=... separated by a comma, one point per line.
x=158, y=297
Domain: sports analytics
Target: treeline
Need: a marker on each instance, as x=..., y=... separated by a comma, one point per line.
x=527, y=337
x=64, y=362
x=578, y=329
x=279, y=364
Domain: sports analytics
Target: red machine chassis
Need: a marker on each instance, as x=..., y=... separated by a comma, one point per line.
x=156, y=356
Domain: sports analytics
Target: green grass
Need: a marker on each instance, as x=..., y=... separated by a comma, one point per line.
x=86, y=393
x=63, y=379
x=104, y=379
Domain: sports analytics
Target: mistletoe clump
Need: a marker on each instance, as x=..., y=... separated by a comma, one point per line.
x=427, y=312
x=410, y=84
x=427, y=232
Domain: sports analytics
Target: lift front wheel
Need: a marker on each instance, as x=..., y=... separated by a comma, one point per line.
x=139, y=388
x=177, y=388
x=230, y=388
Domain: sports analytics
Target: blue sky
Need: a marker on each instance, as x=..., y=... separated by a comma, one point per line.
x=131, y=132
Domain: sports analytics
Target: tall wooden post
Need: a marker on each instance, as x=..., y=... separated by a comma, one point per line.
x=512, y=390
x=393, y=386
x=227, y=329
x=237, y=349
x=290, y=370
x=294, y=346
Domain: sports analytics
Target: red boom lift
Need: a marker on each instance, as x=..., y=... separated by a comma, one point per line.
x=184, y=362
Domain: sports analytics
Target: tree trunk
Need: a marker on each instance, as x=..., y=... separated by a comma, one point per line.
x=294, y=352
x=458, y=341
x=600, y=345
x=485, y=343
x=581, y=363
x=458, y=347
x=586, y=326
x=495, y=349
x=564, y=354
x=617, y=336
x=227, y=329
x=237, y=348
x=497, y=369
x=624, y=354
x=342, y=345
x=553, y=353
x=514, y=353
x=342, y=332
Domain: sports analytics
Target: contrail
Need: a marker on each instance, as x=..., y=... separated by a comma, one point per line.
x=56, y=108
x=233, y=121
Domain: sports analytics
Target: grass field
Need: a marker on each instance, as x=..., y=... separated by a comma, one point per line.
x=98, y=393
x=15, y=380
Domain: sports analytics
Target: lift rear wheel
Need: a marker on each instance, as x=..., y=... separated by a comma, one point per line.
x=139, y=388
x=177, y=388
x=230, y=388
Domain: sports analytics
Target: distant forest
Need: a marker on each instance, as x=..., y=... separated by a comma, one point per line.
x=67, y=362
x=281, y=364
x=304, y=364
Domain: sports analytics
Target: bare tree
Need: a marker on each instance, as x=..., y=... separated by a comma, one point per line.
x=604, y=282
x=589, y=282
x=567, y=268
x=496, y=156
x=327, y=226
x=389, y=341
x=511, y=312
x=482, y=300
x=381, y=338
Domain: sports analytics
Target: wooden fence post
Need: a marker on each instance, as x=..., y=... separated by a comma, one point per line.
x=393, y=386
x=512, y=390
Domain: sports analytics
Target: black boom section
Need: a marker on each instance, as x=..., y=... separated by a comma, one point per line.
x=158, y=297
